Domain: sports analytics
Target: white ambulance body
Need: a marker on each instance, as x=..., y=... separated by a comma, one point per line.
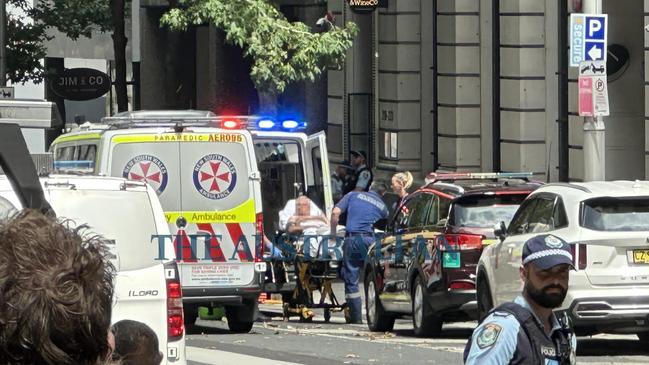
x=208, y=172
x=126, y=213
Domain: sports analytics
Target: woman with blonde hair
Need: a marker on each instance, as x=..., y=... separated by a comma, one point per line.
x=401, y=182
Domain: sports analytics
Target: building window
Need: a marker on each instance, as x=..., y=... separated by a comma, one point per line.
x=390, y=145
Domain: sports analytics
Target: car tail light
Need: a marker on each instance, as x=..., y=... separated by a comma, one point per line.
x=461, y=285
x=175, y=321
x=579, y=255
x=461, y=242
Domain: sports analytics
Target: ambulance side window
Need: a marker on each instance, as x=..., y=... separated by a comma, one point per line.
x=87, y=152
x=65, y=153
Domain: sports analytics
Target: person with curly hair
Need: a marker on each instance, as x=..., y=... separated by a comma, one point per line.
x=56, y=288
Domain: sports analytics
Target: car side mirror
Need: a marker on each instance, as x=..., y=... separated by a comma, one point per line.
x=500, y=230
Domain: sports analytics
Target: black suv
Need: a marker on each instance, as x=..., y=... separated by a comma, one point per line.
x=425, y=265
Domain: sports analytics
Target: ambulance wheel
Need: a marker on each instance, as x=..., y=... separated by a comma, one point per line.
x=239, y=327
x=425, y=323
x=190, y=313
x=241, y=318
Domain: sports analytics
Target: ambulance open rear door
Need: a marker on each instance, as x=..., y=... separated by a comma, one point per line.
x=318, y=176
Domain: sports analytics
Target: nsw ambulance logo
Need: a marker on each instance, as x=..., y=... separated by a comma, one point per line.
x=215, y=176
x=149, y=169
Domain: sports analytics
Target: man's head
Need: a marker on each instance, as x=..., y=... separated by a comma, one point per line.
x=545, y=269
x=302, y=206
x=358, y=158
x=379, y=188
x=135, y=344
x=57, y=289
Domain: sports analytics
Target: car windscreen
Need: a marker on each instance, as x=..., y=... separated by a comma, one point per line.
x=484, y=211
x=125, y=217
x=615, y=214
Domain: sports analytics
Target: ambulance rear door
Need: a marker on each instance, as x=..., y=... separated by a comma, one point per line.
x=318, y=176
x=152, y=158
x=220, y=193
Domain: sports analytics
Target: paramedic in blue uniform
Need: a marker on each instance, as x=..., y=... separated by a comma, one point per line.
x=364, y=210
x=527, y=331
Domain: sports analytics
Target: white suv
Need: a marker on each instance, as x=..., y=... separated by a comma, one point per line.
x=126, y=213
x=608, y=225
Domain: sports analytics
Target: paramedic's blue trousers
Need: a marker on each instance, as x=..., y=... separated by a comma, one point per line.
x=354, y=252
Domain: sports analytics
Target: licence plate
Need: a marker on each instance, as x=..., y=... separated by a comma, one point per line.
x=641, y=256
x=451, y=260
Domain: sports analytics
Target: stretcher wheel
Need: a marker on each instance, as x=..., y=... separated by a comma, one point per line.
x=327, y=315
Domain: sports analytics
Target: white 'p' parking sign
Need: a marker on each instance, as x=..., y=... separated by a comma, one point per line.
x=588, y=34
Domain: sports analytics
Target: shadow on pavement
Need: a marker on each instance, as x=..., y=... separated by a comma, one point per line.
x=447, y=333
x=606, y=347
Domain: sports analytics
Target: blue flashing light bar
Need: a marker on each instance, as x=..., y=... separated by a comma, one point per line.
x=290, y=124
x=266, y=124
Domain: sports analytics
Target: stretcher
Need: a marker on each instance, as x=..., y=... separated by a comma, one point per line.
x=297, y=277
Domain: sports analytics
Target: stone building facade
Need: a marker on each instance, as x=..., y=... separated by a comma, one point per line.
x=474, y=85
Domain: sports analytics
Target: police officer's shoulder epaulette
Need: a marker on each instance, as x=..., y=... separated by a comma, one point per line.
x=501, y=314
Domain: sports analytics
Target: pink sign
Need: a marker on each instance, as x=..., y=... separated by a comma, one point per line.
x=586, y=108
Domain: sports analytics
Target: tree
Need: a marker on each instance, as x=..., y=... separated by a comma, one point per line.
x=282, y=52
x=25, y=46
x=76, y=18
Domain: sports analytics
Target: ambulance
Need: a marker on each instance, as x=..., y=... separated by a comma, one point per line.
x=213, y=174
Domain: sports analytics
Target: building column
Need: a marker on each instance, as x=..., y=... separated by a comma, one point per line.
x=458, y=85
x=523, y=86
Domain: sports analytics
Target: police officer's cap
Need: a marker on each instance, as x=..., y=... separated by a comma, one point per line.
x=358, y=153
x=546, y=251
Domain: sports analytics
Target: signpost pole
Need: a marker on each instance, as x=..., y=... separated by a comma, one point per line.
x=3, y=43
x=594, y=129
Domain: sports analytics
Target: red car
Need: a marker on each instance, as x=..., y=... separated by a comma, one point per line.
x=425, y=266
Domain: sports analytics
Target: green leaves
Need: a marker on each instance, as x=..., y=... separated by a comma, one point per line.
x=25, y=46
x=75, y=18
x=282, y=52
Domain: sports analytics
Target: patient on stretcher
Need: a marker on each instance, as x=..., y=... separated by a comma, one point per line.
x=301, y=217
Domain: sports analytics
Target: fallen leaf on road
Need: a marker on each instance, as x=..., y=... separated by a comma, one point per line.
x=351, y=356
x=239, y=341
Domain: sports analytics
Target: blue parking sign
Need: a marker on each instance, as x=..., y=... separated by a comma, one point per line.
x=588, y=33
x=595, y=51
x=596, y=28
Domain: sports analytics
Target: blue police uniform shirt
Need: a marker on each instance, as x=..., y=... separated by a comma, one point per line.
x=363, y=210
x=495, y=341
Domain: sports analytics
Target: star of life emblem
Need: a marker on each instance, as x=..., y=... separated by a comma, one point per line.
x=149, y=169
x=215, y=176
